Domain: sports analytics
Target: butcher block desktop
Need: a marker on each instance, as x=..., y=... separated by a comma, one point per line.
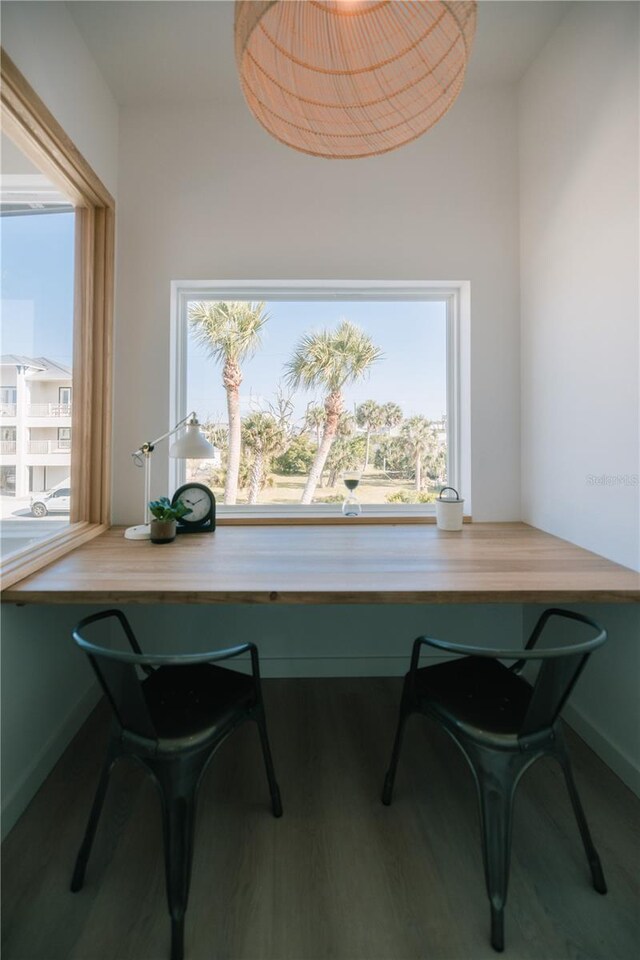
x=345, y=563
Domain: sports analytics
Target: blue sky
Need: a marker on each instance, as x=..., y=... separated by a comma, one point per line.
x=412, y=372
x=37, y=285
x=37, y=320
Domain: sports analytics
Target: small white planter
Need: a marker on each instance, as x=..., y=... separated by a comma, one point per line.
x=449, y=510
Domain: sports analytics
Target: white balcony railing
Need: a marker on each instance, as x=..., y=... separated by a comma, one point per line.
x=48, y=446
x=7, y=447
x=49, y=410
x=7, y=409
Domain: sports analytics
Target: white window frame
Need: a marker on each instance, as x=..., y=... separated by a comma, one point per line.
x=455, y=294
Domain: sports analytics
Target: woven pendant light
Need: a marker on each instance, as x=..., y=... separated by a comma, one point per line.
x=351, y=78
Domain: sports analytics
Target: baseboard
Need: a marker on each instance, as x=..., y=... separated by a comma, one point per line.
x=21, y=795
x=616, y=759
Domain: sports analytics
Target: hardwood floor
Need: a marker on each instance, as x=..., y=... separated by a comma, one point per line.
x=339, y=877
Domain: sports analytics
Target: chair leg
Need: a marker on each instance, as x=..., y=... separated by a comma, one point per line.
x=178, y=781
x=274, y=789
x=496, y=775
x=82, y=859
x=390, y=777
x=597, y=873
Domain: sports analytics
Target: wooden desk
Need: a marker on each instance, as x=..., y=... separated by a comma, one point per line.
x=347, y=563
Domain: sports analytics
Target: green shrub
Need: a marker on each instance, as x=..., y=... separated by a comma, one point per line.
x=297, y=458
x=411, y=496
x=400, y=496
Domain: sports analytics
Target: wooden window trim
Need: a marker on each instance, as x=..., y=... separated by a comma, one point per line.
x=28, y=122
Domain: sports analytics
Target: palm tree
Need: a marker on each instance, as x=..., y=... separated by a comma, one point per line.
x=418, y=433
x=391, y=415
x=330, y=360
x=264, y=436
x=230, y=332
x=344, y=431
x=369, y=416
x=346, y=453
x=314, y=419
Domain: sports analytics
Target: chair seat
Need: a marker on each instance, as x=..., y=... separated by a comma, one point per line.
x=189, y=705
x=476, y=695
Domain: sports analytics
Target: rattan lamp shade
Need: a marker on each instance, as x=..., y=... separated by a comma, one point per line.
x=351, y=78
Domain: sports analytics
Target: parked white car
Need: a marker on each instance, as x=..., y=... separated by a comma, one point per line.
x=56, y=500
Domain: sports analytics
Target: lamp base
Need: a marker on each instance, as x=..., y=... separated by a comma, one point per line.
x=142, y=531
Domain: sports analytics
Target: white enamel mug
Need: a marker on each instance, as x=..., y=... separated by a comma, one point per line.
x=449, y=510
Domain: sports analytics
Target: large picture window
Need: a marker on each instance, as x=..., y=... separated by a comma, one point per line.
x=314, y=394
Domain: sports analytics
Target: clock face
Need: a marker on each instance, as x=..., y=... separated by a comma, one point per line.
x=200, y=501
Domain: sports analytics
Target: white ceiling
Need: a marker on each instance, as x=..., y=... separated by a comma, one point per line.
x=180, y=51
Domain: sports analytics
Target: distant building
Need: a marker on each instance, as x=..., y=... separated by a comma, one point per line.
x=35, y=424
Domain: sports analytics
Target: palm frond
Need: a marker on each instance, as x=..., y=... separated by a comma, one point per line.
x=262, y=432
x=227, y=329
x=330, y=359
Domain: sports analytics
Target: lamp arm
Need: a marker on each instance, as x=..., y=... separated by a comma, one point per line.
x=147, y=447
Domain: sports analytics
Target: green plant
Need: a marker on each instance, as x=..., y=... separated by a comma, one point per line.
x=263, y=436
x=370, y=416
x=330, y=360
x=347, y=453
x=393, y=455
x=412, y=496
x=163, y=510
x=297, y=458
x=400, y=496
x=229, y=331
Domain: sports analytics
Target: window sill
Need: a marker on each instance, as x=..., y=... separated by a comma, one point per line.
x=24, y=562
x=323, y=518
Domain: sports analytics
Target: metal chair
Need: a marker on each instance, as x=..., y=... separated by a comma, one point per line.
x=171, y=715
x=502, y=724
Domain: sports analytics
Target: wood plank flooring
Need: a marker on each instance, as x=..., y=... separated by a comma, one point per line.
x=339, y=877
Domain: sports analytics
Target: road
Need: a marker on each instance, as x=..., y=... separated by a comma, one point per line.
x=20, y=529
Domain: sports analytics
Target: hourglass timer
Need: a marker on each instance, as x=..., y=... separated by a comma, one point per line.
x=351, y=506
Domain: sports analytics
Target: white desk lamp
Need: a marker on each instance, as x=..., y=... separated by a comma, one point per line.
x=193, y=445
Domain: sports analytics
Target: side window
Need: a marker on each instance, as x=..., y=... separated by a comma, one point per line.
x=37, y=232
x=57, y=281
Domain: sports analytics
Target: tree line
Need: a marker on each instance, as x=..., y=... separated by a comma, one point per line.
x=328, y=361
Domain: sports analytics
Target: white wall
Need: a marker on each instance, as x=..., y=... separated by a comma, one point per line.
x=46, y=46
x=47, y=692
x=364, y=640
x=579, y=294
x=205, y=193
x=47, y=688
x=578, y=116
x=604, y=708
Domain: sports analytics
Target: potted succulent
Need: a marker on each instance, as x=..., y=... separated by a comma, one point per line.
x=165, y=514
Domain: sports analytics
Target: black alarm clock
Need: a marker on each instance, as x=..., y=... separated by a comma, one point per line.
x=202, y=504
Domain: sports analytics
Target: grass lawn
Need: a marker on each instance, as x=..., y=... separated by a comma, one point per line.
x=374, y=487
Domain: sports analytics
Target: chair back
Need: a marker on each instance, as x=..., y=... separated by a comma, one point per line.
x=117, y=673
x=558, y=672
